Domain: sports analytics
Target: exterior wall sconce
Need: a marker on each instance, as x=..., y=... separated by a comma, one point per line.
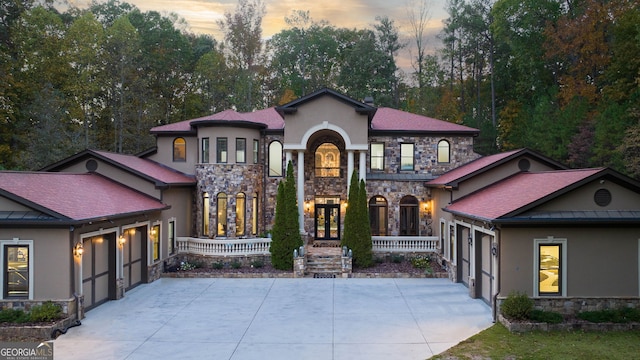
x=78, y=249
x=121, y=241
x=307, y=206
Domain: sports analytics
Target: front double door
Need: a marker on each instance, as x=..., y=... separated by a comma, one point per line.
x=327, y=221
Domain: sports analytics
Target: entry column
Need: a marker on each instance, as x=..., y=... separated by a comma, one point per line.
x=300, y=185
x=362, y=166
x=349, y=168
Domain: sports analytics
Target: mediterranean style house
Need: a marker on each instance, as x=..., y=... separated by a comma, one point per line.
x=91, y=227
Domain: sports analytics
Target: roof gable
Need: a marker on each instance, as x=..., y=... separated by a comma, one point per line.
x=358, y=106
x=518, y=193
x=486, y=163
x=142, y=167
x=79, y=197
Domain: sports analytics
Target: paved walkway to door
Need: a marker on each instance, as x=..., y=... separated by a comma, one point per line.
x=279, y=319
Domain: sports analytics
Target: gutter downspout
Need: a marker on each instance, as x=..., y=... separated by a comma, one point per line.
x=495, y=297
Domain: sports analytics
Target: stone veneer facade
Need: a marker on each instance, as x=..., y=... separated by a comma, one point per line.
x=250, y=179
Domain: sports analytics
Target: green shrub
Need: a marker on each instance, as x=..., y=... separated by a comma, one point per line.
x=236, y=265
x=397, y=259
x=13, y=316
x=421, y=262
x=186, y=266
x=217, y=265
x=258, y=264
x=549, y=317
x=517, y=306
x=623, y=315
x=48, y=311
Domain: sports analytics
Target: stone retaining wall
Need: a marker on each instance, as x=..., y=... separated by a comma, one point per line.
x=526, y=326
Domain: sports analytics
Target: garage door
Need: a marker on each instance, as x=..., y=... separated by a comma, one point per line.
x=98, y=270
x=465, y=251
x=486, y=274
x=134, y=257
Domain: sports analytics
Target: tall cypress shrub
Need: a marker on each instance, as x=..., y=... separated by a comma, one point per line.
x=286, y=229
x=363, y=246
x=350, y=217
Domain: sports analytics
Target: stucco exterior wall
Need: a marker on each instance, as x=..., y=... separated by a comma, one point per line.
x=231, y=134
x=164, y=155
x=327, y=109
x=583, y=198
x=601, y=261
x=51, y=254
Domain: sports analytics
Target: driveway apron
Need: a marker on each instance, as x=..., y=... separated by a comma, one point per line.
x=237, y=319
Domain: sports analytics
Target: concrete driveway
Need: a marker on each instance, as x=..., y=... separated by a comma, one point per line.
x=279, y=319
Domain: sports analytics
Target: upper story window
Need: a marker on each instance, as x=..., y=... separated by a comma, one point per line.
x=406, y=156
x=444, y=151
x=241, y=150
x=377, y=156
x=256, y=151
x=221, y=150
x=205, y=150
x=327, y=160
x=179, y=150
x=275, y=159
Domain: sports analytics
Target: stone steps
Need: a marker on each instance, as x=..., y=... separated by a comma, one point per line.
x=324, y=265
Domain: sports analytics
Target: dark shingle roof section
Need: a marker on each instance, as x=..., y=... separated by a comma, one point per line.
x=79, y=197
x=583, y=216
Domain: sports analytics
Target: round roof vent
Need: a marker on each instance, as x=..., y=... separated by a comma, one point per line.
x=602, y=197
x=91, y=165
x=524, y=164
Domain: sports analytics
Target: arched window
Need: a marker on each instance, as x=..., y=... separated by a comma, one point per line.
x=179, y=150
x=205, y=214
x=241, y=207
x=327, y=160
x=409, y=218
x=444, y=151
x=275, y=159
x=221, y=207
x=378, y=211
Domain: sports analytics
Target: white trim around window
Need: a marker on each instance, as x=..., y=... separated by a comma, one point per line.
x=17, y=242
x=562, y=266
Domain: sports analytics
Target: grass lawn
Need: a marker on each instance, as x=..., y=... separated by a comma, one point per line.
x=498, y=343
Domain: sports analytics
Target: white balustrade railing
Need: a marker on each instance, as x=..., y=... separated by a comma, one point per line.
x=405, y=243
x=260, y=246
x=223, y=247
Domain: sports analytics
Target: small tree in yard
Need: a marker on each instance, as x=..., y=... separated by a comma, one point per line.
x=357, y=231
x=286, y=228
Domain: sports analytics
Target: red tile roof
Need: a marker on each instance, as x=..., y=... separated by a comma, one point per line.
x=392, y=119
x=516, y=192
x=385, y=119
x=268, y=117
x=148, y=168
x=470, y=168
x=77, y=196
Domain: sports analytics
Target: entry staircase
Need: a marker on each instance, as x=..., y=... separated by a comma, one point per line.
x=324, y=262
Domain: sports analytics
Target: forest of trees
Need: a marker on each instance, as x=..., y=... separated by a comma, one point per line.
x=561, y=77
